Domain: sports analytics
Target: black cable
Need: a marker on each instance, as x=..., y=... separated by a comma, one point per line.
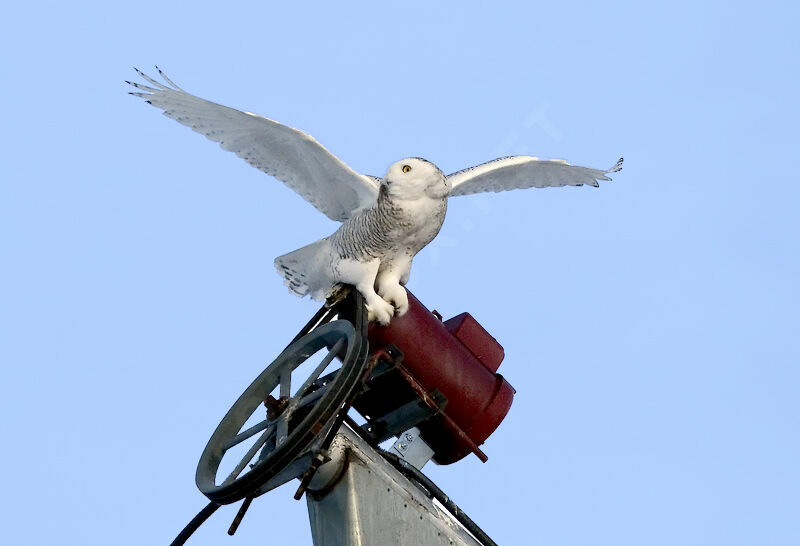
x=196, y=522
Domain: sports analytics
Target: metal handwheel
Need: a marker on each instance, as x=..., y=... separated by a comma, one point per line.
x=276, y=429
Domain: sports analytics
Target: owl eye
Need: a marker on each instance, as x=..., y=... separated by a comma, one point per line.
x=406, y=168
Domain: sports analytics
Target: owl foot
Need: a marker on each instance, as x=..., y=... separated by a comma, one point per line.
x=379, y=310
x=395, y=295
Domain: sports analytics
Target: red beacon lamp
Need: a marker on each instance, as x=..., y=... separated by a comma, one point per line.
x=445, y=369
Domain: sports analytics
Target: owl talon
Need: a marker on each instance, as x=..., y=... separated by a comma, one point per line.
x=380, y=311
x=397, y=297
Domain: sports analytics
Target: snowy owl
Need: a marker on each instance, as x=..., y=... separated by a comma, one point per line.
x=385, y=221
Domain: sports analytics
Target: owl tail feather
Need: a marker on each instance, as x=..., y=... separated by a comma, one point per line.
x=307, y=270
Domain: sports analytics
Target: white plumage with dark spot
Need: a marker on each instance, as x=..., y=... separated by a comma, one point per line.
x=385, y=221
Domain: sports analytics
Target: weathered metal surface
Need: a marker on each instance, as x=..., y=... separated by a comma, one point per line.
x=295, y=429
x=372, y=504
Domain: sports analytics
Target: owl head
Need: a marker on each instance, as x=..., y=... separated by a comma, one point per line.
x=413, y=178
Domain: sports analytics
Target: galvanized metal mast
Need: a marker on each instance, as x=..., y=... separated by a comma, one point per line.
x=360, y=499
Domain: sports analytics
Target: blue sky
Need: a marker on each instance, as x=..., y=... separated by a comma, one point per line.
x=650, y=325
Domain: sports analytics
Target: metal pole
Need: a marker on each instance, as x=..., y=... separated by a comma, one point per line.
x=359, y=499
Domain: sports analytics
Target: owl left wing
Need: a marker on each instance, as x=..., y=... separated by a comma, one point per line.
x=290, y=155
x=518, y=172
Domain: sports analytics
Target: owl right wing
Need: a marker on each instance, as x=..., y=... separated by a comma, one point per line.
x=518, y=172
x=290, y=155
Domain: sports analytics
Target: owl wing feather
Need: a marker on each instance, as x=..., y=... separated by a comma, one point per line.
x=290, y=155
x=518, y=172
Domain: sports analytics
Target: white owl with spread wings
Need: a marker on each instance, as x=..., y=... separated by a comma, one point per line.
x=385, y=221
